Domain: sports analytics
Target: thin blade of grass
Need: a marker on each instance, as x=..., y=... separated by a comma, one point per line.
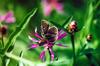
x=19, y=29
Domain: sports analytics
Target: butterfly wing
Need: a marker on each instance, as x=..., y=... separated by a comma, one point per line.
x=52, y=34
x=44, y=27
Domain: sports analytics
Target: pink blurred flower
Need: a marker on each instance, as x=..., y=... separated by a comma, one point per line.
x=8, y=17
x=49, y=5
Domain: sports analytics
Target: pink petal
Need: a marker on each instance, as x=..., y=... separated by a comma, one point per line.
x=47, y=7
x=42, y=56
x=61, y=35
x=10, y=20
x=52, y=54
x=34, y=46
x=2, y=17
x=9, y=17
x=60, y=32
x=33, y=39
x=59, y=7
x=37, y=35
x=60, y=45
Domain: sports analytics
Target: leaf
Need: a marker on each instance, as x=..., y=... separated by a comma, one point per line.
x=90, y=50
x=10, y=48
x=81, y=50
x=25, y=61
x=19, y=29
x=69, y=19
x=20, y=63
x=21, y=54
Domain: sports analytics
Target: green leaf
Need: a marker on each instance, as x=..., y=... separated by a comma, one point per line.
x=20, y=63
x=19, y=29
x=25, y=61
x=10, y=48
x=21, y=54
x=81, y=50
x=87, y=22
x=90, y=50
x=69, y=19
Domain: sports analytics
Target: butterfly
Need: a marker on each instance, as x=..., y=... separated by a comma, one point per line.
x=49, y=32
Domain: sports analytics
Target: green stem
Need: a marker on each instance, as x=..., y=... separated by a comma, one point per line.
x=18, y=58
x=49, y=54
x=2, y=41
x=73, y=46
x=98, y=3
x=25, y=61
x=91, y=59
x=3, y=61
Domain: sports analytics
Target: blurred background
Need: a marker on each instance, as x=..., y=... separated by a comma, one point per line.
x=85, y=12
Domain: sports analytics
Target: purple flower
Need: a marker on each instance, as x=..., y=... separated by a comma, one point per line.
x=8, y=17
x=46, y=44
x=49, y=5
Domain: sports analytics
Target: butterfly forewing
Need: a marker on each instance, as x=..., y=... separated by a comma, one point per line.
x=44, y=26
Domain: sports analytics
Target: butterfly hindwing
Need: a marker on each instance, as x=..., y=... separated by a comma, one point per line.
x=52, y=34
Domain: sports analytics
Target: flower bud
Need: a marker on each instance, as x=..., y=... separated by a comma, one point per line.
x=89, y=37
x=72, y=27
x=3, y=30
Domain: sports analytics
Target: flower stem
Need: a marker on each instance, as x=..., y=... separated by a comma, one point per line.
x=98, y=3
x=2, y=41
x=18, y=58
x=73, y=46
x=25, y=61
x=49, y=54
x=91, y=59
x=3, y=61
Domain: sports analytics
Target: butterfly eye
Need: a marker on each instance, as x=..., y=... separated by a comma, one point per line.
x=44, y=26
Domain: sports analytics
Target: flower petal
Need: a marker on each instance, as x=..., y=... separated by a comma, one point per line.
x=9, y=17
x=33, y=39
x=10, y=20
x=60, y=32
x=2, y=18
x=59, y=7
x=47, y=7
x=61, y=35
x=60, y=45
x=34, y=46
x=51, y=54
x=37, y=35
x=42, y=56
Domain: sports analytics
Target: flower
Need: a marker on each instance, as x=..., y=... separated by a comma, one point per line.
x=48, y=41
x=89, y=37
x=8, y=17
x=72, y=27
x=49, y=5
